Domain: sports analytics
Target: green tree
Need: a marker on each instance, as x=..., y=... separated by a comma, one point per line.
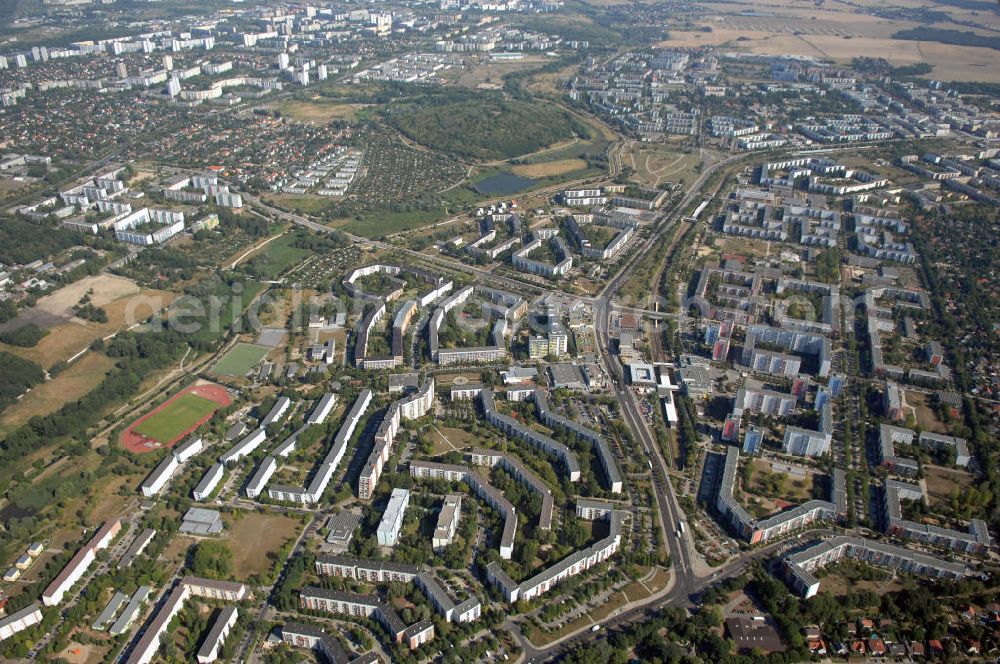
x=212, y=559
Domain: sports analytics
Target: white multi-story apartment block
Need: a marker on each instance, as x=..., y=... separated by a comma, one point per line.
x=392, y=520
x=447, y=523
x=208, y=482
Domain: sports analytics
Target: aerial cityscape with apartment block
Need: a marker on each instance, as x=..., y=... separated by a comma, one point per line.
x=474, y=331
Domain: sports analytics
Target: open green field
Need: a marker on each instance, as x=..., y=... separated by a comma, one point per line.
x=380, y=224
x=303, y=203
x=256, y=538
x=240, y=360
x=317, y=109
x=175, y=418
x=275, y=257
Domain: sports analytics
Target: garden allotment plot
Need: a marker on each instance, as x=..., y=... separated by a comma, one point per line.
x=240, y=360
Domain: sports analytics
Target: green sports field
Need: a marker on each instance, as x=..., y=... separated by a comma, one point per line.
x=240, y=360
x=171, y=422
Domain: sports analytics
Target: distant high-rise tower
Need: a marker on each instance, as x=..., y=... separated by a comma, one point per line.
x=121, y=70
x=168, y=62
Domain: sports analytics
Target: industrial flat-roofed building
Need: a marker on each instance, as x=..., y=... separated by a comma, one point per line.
x=341, y=528
x=199, y=521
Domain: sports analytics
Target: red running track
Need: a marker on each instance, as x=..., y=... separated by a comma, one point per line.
x=137, y=443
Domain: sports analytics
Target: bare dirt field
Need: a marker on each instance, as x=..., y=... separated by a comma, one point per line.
x=927, y=419
x=942, y=481
x=547, y=168
x=77, y=653
x=8, y=188
x=742, y=246
x=106, y=288
x=122, y=299
x=70, y=385
x=839, y=33
x=254, y=536
x=318, y=110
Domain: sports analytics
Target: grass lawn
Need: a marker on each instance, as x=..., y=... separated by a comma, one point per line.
x=942, y=481
x=254, y=536
x=926, y=416
x=379, y=224
x=277, y=256
x=767, y=483
x=174, y=419
x=304, y=203
x=838, y=586
x=457, y=437
x=318, y=110
x=635, y=591
x=240, y=360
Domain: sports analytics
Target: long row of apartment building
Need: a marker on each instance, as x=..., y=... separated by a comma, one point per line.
x=149, y=643
x=799, y=566
x=409, y=408
x=571, y=565
x=765, y=530
x=79, y=563
x=482, y=488
x=976, y=541
x=326, y=468
x=381, y=571
x=538, y=440
x=364, y=606
x=600, y=445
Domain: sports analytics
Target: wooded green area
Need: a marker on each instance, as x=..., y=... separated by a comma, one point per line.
x=953, y=37
x=16, y=376
x=483, y=126
x=24, y=242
